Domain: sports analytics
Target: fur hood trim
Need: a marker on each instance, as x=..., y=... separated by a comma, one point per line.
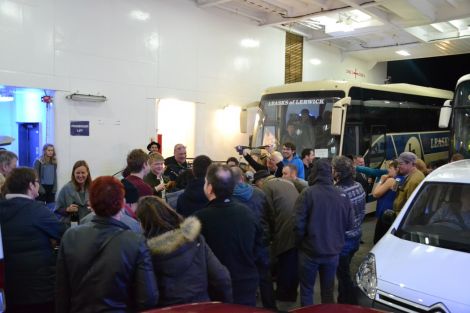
x=172, y=240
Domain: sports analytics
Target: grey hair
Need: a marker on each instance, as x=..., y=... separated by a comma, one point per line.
x=343, y=167
x=6, y=157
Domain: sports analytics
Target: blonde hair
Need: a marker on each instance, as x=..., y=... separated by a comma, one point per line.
x=155, y=157
x=44, y=159
x=421, y=166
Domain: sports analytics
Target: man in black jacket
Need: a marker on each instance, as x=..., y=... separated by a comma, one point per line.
x=232, y=232
x=193, y=197
x=323, y=215
x=255, y=199
x=27, y=229
x=176, y=164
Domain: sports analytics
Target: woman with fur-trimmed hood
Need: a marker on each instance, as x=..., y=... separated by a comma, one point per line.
x=186, y=269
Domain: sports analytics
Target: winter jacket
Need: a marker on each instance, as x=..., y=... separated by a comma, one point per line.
x=255, y=199
x=323, y=215
x=133, y=224
x=27, y=227
x=173, y=168
x=152, y=180
x=104, y=266
x=69, y=195
x=234, y=236
x=172, y=198
x=186, y=268
x=406, y=188
x=193, y=198
x=281, y=195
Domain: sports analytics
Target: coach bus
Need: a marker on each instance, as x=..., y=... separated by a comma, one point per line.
x=458, y=113
x=351, y=118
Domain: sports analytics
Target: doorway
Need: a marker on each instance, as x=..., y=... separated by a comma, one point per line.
x=28, y=143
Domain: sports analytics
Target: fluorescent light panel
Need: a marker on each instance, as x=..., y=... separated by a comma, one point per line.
x=403, y=53
x=315, y=61
x=6, y=98
x=86, y=98
x=249, y=43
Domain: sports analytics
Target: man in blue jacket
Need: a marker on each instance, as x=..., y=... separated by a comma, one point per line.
x=288, y=152
x=323, y=214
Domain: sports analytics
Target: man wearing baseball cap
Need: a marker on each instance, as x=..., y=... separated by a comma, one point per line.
x=407, y=168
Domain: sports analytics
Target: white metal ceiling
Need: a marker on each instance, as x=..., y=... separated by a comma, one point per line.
x=424, y=28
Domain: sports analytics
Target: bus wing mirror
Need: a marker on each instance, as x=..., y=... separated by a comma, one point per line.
x=337, y=115
x=446, y=112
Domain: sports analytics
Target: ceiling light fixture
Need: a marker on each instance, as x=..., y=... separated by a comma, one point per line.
x=315, y=61
x=437, y=27
x=6, y=98
x=6, y=94
x=140, y=15
x=86, y=98
x=249, y=43
x=403, y=53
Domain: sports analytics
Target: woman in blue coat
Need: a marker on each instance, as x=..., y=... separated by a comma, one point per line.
x=46, y=167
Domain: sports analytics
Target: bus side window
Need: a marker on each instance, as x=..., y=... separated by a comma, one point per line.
x=352, y=140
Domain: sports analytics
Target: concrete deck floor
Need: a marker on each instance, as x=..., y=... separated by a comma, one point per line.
x=368, y=227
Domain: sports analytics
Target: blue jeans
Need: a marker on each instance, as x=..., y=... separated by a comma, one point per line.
x=346, y=293
x=308, y=268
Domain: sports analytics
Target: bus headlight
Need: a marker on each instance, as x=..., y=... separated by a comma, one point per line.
x=366, y=276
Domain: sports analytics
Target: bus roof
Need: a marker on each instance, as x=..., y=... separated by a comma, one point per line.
x=346, y=85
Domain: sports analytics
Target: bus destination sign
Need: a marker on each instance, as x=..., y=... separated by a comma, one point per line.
x=295, y=102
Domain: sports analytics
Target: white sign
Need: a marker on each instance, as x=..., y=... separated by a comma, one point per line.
x=321, y=153
x=295, y=102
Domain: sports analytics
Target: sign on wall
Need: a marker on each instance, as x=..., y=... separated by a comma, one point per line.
x=80, y=128
x=355, y=73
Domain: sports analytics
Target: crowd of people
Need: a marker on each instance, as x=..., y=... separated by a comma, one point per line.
x=169, y=233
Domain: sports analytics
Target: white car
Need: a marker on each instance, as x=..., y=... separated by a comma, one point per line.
x=422, y=264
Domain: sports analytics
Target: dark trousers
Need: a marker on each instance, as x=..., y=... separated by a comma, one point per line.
x=287, y=276
x=308, y=268
x=380, y=229
x=28, y=308
x=266, y=287
x=346, y=292
x=244, y=291
x=48, y=196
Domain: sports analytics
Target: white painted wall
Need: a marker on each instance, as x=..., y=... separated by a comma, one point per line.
x=337, y=66
x=176, y=50
x=97, y=47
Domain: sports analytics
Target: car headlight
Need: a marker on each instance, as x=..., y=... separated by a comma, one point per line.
x=366, y=276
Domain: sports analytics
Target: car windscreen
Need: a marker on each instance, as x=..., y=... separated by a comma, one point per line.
x=439, y=216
